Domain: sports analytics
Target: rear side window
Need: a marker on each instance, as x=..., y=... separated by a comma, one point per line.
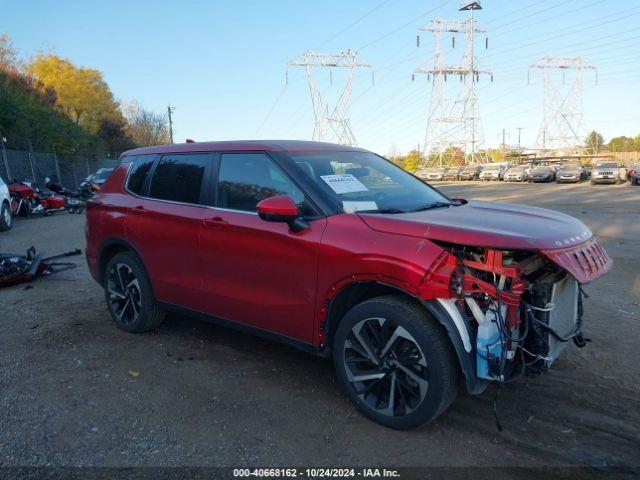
x=179, y=178
x=140, y=168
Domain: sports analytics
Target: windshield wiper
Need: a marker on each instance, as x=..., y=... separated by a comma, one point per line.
x=431, y=206
x=382, y=210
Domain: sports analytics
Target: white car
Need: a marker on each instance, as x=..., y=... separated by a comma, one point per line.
x=6, y=218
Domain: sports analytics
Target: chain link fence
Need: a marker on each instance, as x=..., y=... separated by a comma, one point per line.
x=36, y=166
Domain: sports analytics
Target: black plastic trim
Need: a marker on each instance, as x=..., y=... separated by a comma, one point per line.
x=475, y=385
x=242, y=327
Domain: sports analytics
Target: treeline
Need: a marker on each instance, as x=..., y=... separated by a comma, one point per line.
x=48, y=103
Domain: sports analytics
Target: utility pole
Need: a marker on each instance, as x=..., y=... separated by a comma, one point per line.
x=562, y=107
x=519, y=134
x=4, y=157
x=170, y=110
x=338, y=119
x=454, y=119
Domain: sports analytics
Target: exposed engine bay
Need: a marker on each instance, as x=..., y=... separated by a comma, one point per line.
x=522, y=307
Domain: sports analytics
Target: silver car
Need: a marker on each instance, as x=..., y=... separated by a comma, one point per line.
x=516, y=174
x=605, y=172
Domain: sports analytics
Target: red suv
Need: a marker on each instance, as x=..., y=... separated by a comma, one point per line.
x=337, y=251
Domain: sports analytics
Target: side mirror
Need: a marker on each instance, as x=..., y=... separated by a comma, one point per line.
x=461, y=201
x=281, y=209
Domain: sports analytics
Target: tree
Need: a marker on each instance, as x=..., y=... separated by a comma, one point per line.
x=81, y=93
x=115, y=136
x=146, y=128
x=8, y=54
x=622, y=144
x=412, y=161
x=594, y=141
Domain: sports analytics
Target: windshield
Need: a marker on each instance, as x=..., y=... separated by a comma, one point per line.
x=470, y=169
x=569, y=167
x=102, y=174
x=439, y=170
x=362, y=181
x=541, y=170
x=516, y=169
x=606, y=165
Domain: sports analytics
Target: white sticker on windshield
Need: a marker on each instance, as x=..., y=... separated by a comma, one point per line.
x=344, y=183
x=352, y=207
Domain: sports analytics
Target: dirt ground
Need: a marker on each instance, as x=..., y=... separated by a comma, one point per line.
x=207, y=396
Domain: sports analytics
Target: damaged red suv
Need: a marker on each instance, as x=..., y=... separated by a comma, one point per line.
x=337, y=251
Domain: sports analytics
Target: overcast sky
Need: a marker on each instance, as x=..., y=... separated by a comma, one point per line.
x=222, y=63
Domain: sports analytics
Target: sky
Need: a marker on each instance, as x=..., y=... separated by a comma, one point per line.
x=221, y=64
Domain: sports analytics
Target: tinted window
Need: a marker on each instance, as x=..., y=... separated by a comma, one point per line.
x=141, y=165
x=179, y=178
x=247, y=178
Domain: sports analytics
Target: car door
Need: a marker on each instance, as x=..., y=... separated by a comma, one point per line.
x=256, y=272
x=164, y=224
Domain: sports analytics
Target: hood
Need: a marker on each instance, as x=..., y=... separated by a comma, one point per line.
x=487, y=224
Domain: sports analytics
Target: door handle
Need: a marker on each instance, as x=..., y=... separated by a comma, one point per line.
x=214, y=222
x=140, y=211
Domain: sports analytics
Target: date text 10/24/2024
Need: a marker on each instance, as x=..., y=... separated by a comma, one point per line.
x=316, y=473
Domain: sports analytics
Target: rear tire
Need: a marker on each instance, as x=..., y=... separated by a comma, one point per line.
x=129, y=294
x=6, y=218
x=395, y=362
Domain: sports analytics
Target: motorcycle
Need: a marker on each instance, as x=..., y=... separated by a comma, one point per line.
x=74, y=201
x=26, y=199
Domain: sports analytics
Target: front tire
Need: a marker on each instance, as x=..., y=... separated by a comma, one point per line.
x=129, y=294
x=395, y=362
x=6, y=218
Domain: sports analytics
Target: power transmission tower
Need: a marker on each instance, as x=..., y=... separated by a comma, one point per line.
x=454, y=118
x=562, y=106
x=338, y=120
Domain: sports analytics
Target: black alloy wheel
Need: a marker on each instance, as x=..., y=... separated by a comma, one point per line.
x=386, y=366
x=395, y=362
x=123, y=290
x=129, y=294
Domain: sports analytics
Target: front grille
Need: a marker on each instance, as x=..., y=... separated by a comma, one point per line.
x=604, y=173
x=585, y=262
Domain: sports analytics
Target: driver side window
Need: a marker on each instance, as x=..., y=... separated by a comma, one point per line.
x=245, y=179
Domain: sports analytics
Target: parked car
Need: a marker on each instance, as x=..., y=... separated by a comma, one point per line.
x=569, y=173
x=423, y=174
x=471, y=172
x=631, y=170
x=605, y=172
x=411, y=293
x=516, y=174
x=542, y=174
x=97, y=178
x=6, y=217
x=453, y=173
x=437, y=173
x=635, y=177
x=492, y=173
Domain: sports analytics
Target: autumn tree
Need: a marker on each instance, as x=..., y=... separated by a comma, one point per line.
x=81, y=93
x=8, y=54
x=412, y=161
x=145, y=127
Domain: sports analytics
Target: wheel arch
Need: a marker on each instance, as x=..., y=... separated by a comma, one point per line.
x=357, y=292
x=110, y=248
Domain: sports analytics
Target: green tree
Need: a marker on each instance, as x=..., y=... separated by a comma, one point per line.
x=622, y=144
x=594, y=141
